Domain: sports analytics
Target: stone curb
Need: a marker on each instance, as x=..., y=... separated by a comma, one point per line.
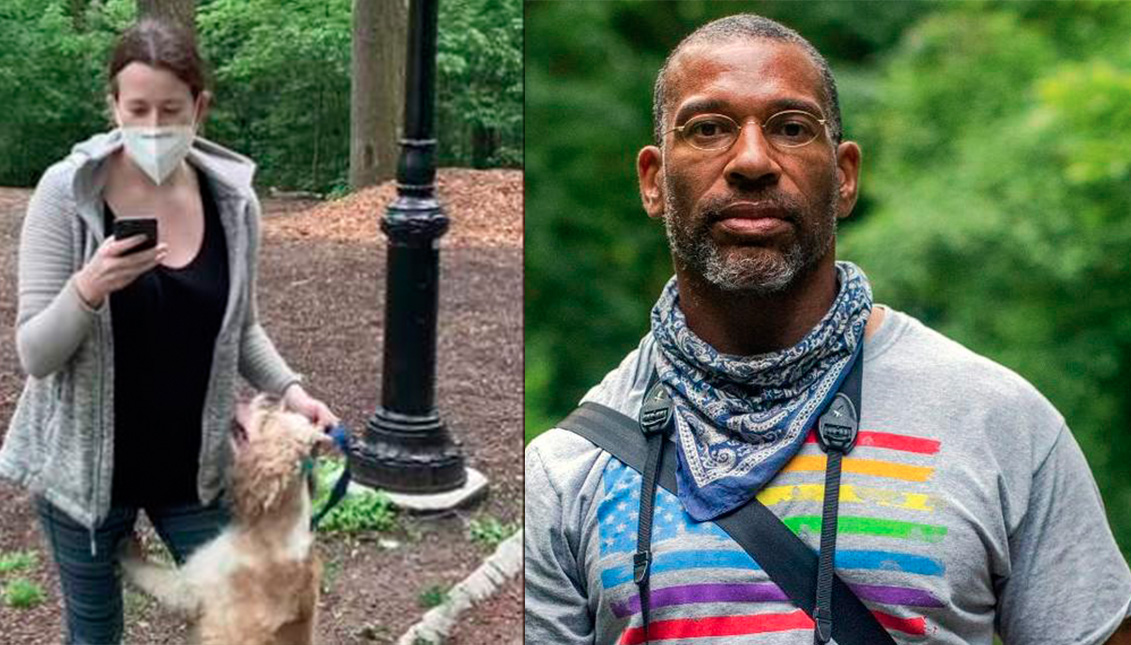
x=437, y=624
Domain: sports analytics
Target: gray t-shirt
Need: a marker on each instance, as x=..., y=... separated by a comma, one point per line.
x=966, y=508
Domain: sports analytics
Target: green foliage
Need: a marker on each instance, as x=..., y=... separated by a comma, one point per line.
x=994, y=204
x=281, y=73
x=134, y=604
x=433, y=596
x=488, y=531
x=479, y=62
x=22, y=593
x=282, y=76
x=19, y=592
x=359, y=512
x=18, y=561
x=52, y=81
x=1002, y=216
x=338, y=191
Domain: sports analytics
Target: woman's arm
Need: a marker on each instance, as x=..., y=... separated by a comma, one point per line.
x=259, y=362
x=52, y=320
x=58, y=300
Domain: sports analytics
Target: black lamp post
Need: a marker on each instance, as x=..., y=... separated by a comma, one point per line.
x=406, y=447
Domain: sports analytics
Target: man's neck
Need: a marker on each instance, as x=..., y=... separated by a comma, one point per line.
x=746, y=324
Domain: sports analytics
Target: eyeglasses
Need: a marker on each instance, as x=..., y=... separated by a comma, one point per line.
x=785, y=130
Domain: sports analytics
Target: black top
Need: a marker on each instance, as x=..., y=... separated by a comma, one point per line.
x=165, y=326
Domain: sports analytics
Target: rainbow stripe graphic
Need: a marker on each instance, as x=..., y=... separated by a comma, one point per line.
x=716, y=626
x=883, y=500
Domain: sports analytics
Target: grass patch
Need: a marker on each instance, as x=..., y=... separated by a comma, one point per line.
x=19, y=592
x=368, y=510
x=22, y=593
x=18, y=561
x=489, y=531
x=433, y=596
x=134, y=604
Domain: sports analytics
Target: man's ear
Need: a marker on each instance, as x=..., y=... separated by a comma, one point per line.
x=649, y=172
x=848, y=177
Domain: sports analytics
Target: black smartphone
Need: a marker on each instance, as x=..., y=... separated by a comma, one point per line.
x=129, y=227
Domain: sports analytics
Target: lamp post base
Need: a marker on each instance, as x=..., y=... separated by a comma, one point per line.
x=472, y=491
x=408, y=454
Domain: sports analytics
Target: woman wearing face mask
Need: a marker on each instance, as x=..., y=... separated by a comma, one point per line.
x=132, y=357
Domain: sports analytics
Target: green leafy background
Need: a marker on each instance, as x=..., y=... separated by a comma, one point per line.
x=281, y=80
x=995, y=205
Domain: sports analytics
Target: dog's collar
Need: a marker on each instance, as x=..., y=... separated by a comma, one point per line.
x=341, y=437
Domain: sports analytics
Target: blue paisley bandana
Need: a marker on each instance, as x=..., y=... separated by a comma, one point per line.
x=740, y=419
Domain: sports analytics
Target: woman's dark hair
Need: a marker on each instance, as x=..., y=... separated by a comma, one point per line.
x=161, y=45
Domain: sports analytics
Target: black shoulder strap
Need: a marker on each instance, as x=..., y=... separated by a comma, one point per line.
x=788, y=561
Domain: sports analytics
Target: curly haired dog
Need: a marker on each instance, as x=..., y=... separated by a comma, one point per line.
x=257, y=583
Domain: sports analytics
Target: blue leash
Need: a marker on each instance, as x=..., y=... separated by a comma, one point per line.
x=341, y=437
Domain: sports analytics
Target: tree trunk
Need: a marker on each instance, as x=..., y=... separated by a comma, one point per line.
x=315, y=183
x=178, y=12
x=380, y=32
x=484, y=143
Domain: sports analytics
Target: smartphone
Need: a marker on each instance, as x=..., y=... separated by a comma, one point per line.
x=129, y=227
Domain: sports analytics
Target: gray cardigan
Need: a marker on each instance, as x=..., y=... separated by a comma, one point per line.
x=61, y=437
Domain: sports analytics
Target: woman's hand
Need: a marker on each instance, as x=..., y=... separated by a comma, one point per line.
x=298, y=400
x=109, y=270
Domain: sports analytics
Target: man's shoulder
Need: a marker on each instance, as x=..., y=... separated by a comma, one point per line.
x=920, y=371
x=563, y=466
x=622, y=389
x=557, y=446
x=917, y=352
x=563, y=455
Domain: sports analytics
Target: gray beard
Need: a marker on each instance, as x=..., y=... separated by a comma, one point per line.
x=763, y=274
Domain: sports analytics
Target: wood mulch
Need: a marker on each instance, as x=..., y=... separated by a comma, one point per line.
x=484, y=206
x=321, y=299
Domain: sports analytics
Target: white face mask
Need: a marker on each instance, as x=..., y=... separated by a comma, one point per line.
x=158, y=150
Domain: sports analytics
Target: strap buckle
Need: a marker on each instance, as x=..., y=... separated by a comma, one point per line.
x=640, y=565
x=656, y=411
x=838, y=426
x=824, y=621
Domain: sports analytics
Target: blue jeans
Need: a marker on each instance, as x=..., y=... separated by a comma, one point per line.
x=92, y=588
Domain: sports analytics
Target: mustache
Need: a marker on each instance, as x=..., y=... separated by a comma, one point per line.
x=712, y=208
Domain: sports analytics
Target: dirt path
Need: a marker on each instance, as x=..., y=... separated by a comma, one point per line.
x=321, y=298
